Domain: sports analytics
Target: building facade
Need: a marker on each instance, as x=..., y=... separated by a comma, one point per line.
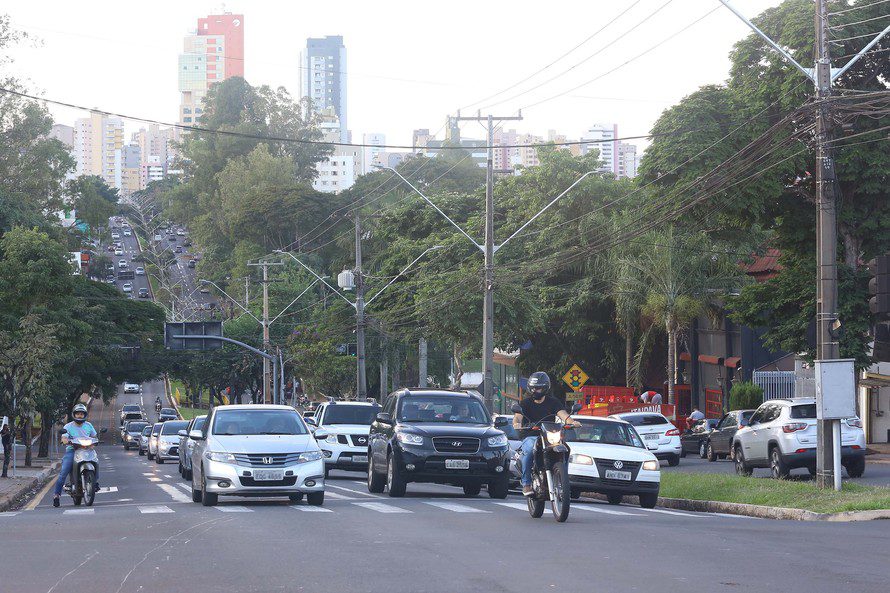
x=627, y=160
x=602, y=137
x=340, y=170
x=374, y=145
x=323, y=77
x=98, y=142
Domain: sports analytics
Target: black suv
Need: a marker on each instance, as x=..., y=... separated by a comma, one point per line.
x=439, y=436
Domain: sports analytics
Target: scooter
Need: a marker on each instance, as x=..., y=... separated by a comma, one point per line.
x=82, y=481
x=550, y=469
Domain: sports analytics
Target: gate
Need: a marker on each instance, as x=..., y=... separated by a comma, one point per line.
x=775, y=384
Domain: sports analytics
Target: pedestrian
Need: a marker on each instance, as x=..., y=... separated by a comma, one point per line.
x=656, y=399
x=7, y=447
x=694, y=417
x=644, y=397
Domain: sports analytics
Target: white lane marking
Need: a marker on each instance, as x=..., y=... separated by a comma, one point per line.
x=381, y=508
x=184, y=487
x=327, y=485
x=594, y=509
x=168, y=476
x=79, y=511
x=513, y=505
x=731, y=516
x=309, y=509
x=336, y=496
x=234, y=509
x=107, y=490
x=457, y=508
x=174, y=493
x=153, y=479
x=147, y=473
x=149, y=510
x=663, y=511
x=11, y=514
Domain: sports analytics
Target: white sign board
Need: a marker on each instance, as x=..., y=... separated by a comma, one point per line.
x=835, y=389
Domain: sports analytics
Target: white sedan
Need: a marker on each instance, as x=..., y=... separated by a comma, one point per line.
x=608, y=457
x=140, y=271
x=118, y=252
x=656, y=430
x=128, y=287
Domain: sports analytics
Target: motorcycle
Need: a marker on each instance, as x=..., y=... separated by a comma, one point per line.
x=550, y=469
x=157, y=408
x=82, y=480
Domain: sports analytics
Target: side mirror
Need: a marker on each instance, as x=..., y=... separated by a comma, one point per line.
x=501, y=421
x=103, y=431
x=196, y=435
x=321, y=434
x=383, y=418
x=576, y=408
x=516, y=409
x=183, y=433
x=311, y=421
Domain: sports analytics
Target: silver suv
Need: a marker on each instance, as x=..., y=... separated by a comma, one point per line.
x=781, y=435
x=256, y=450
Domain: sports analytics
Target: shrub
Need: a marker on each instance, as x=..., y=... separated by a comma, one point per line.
x=745, y=395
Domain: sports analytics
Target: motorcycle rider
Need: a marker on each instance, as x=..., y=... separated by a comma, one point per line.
x=158, y=404
x=538, y=406
x=79, y=428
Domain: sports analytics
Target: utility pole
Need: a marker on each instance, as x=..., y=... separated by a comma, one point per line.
x=268, y=379
x=422, y=362
x=361, y=391
x=488, y=266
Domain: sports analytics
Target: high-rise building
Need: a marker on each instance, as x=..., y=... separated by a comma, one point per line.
x=374, y=145
x=323, y=77
x=156, y=152
x=338, y=171
x=98, y=142
x=513, y=149
x=420, y=138
x=627, y=160
x=213, y=53
x=603, y=138
x=131, y=162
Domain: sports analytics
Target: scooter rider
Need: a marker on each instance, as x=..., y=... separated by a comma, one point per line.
x=79, y=428
x=539, y=406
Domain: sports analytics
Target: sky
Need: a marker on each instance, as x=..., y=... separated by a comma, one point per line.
x=409, y=63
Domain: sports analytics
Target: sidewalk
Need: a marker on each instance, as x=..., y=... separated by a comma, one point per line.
x=27, y=481
x=878, y=453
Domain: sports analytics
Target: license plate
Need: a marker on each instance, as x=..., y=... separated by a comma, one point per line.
x=360, y=459
x=457, y=464
x=652, y=436
x=611, y=474
x=268, y=475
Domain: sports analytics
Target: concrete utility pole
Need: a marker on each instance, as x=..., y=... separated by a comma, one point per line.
x=422, y=363
x=267, y=374
x=361, y=378
x=488, y=266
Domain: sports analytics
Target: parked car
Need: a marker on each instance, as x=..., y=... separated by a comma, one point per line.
x=167, y=414
x=695, y=440
x=439, y=436
x=187, y=444
x=144, y=439
x=256, y=450
x=115, y=236
x=504, y=422
x=168, y=441
x=341, y=430
x=153, y=440
x=132, y=433
x=655, y=428
x=609, y=457
x=781, y=435
x=143, y=293
x=720, y=439
x=133, y=388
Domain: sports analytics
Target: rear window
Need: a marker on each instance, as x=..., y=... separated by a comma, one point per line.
x=346, y=414
x=646, y=420
x=173, y=427
x=136, y=426
x=131, y=408
x=806, y=411
x=168, y=411
x=746, y=416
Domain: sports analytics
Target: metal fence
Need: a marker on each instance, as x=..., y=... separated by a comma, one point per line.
x=775, y=383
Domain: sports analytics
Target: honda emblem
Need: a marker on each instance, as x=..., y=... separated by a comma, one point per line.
x=268, y=461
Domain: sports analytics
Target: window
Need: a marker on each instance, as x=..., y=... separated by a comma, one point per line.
x=727, y=422
x=346, y=414
x=186, y=119
x=256, y=422
x=444, y=408
x=804, y=412
x=604, y=432
x=646, y=420
x=174, y=427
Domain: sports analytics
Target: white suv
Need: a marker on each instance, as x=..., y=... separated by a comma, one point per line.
x=781, y=435
x=656, y=430
x=341, y=429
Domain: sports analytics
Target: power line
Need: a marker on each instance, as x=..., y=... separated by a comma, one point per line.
x=857, y=7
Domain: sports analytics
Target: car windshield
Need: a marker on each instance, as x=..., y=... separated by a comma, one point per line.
x=199, y=423
x=443, y=409
x=805, y=412
x=745, y=417
x=604, y=433
x=243, y=422
x=169, y=411
x=174, y=427
x=646, y=419
x=146, y=431
x=156, y=430
x=136, y=426
x=346, y=414
x=131, y=408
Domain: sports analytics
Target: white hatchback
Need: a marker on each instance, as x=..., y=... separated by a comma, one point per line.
x=655, y=428
x=609, y=457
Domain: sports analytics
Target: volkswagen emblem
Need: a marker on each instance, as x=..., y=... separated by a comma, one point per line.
x=455, y=443
x=268, y=461
x=618, y=464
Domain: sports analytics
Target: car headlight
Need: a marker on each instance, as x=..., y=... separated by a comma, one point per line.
x=309, y=456
x=331, y=439
x=409, y=439
x=498, y=441
x=554, y=437
x=219, y=456
x=651, y=465
x=581, y=459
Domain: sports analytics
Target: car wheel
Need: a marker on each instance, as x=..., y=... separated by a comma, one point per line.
x=614, y=497
x=498, y=488
x=395, y=483
x=159, y=460
x=703, y=450
x=777, y=466
x=315, y=499
x=856, y=468
x=187, y=474
x=208, y=499
x=648, y=500
x=295, y=497
x=674, y=460
x=180, y=468
x=741, y=468
x=196, y=494
x=126, y=447
x=712, y=456
x=472, y=489
x=141, y=452
x=376, y=482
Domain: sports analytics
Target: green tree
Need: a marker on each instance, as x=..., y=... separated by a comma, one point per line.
x=94, y=200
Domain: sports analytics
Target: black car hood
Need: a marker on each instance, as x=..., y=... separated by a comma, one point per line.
x=450, y=429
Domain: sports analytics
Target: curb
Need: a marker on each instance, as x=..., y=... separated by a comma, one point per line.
x=759, y=511
x=12, y=499
x=168, y=392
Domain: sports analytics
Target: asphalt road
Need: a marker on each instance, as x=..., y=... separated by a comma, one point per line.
x=876, y=474
x=145, y=534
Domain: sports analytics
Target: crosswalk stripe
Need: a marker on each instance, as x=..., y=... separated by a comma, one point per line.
x=168, y=476
x=174, y=493
x=359, y=492
x=155, y=479
x=147, y=473
x=336, y=496
x=79, y=511
x=184, y=487
x=513, y=505
x=457, y=508
x=663, y=511
x=595, y=509
x=107, y=490
x=312, y=509
x=234, y=509
x=11, y=514
x=149, y=510
x=381, y=508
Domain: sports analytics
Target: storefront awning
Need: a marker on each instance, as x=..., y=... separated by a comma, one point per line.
x=733, y=362
x=707, y=359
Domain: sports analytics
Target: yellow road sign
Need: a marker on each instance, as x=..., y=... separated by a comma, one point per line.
x=575, y=378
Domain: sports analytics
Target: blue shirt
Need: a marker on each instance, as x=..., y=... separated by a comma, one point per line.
x=76, y=431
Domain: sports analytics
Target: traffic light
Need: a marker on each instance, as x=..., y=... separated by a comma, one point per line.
x=879, y=286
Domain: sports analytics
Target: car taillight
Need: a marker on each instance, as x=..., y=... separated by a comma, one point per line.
x=794, y=426
x=854, y=422
x=672, y=433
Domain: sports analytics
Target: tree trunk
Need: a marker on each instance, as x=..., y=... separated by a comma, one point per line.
x=671, y=368
x=628, y=359
x=851, y=247
x=28, y=424
x=45, y=434
x=457, y=355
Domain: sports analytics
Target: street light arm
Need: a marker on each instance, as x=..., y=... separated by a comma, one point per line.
x=439, y=210
x=542, y=210
x=311, y=271
x=861, y=53
x=230, y=298
x=314, y=282
x=397, y=276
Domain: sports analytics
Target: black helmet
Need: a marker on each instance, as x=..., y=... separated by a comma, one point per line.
x=538, y=384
